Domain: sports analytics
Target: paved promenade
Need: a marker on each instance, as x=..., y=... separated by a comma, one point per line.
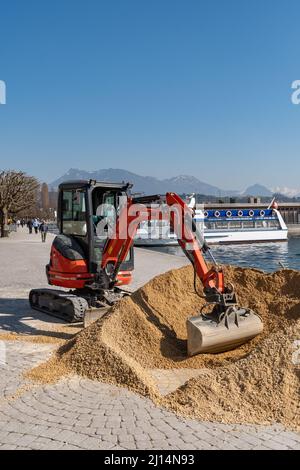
x=77, y=413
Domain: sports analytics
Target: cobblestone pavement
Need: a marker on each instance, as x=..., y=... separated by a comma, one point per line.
x=77, y=413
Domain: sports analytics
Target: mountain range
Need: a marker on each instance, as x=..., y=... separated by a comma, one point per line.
x=151, y=185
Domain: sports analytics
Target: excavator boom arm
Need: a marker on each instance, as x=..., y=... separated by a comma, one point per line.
x=181, y=221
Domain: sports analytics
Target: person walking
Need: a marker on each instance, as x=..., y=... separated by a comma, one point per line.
x=29, y=225
x=43, y=230
x=35, y=224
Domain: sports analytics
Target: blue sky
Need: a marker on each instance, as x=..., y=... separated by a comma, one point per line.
x=156, y=87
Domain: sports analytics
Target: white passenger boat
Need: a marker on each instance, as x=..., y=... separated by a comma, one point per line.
x=222, y=226
x=155, y=233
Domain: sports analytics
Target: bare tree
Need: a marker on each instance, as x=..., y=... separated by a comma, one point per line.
x=18, y=192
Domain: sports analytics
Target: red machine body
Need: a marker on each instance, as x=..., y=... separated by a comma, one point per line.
x=74, y=274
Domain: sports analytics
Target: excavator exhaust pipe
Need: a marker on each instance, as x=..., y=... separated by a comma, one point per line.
x=205, y=334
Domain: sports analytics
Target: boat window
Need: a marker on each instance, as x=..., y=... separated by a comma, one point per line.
x=222, y=225
x=274, y=223
x=248, y=224
x=235, y=224
x=260, y=224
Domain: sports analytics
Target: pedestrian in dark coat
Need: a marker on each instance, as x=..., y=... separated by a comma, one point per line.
x=43, y=230
x=29, y=225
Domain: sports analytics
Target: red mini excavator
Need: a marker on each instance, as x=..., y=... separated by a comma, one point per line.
x=93, y=256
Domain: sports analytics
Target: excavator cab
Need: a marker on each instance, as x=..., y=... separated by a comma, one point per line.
x=81, y=207
x=76, y=253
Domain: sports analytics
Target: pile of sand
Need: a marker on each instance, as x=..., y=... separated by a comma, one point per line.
x=260, y=388
x=256, y=382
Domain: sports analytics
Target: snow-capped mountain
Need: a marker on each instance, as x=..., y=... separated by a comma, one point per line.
x=150, y=185
x=289, y=192
x=146, y=184
x=257, y=190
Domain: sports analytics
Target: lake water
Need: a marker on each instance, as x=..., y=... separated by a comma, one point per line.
x=266, y=256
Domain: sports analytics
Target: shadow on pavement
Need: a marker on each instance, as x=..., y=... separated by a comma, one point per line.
x=16, y=316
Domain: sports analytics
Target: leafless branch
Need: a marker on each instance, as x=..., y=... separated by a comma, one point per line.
x=18, y=191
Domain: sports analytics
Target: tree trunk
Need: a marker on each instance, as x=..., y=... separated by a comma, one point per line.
x=3, y=222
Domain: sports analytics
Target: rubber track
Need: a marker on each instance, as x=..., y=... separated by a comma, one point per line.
x=72, y=307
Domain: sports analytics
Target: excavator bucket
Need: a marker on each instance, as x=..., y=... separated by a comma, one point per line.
x=207, y=335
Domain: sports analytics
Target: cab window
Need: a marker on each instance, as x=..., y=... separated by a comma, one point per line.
x=108, y=205
x=74, y=213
